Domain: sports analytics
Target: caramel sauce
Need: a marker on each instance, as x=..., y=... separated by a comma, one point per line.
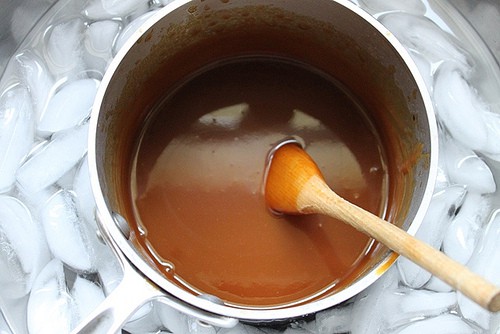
x=197, y=182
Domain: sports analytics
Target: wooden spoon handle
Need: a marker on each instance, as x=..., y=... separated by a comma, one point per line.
x=318, y=198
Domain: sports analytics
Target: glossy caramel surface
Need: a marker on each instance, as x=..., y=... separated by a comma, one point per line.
x=197, y=182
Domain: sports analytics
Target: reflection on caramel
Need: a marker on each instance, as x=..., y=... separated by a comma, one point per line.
x=196, y=182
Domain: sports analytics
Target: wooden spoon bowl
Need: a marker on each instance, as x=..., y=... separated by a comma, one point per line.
x=294, y=185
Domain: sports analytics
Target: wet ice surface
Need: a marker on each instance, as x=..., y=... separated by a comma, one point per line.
x=50, y=299
x=68, y=107
x=445, y=203
x=68, y=236
x=24, y=248
x=35, y=75
x=53, y=158
x=16, y=132
x=486, y=263
x=53, y=264
x=98, y=41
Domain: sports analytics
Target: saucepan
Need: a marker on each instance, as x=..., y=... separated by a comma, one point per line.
x=334, y=37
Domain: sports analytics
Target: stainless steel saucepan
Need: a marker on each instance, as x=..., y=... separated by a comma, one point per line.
x=340, y=39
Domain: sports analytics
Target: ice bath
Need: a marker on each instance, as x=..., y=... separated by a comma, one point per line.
x=54, y=266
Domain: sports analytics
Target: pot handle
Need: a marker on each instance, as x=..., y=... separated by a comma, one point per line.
x=110, y=316
x=133, y=292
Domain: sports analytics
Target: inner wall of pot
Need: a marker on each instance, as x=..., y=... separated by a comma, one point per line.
x=324, y=35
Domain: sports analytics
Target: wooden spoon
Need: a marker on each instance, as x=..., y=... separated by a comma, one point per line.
x=294, y=185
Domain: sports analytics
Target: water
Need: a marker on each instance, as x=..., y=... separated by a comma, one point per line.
x=54, y=267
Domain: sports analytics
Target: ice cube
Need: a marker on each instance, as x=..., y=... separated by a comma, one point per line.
x=83, y=190
x=443, y=324
x=86, y=295
x=466, y=168
x=130, y=29
x=422, y=35
x=335, y=320
x=66, y=181
x=401, y=306
x=380, y=6
x=441, y=211
x=393, y=307
x=35, y=200
x=99, y=38
x=464, y=115
x=171, y=319
x=108, y=9
x=369, y=307
x=69, y=238
x=16, y=133
x=4, y=327
x=23, y=251
x=63, y=48
x=418, y=304
x=303, y=326
x=109, y=271
x=464, y=231
x=485, y=262
x=442, y=179
x=53, y=159
x=424, y=68
x=492, y=148
x=37, y=78
x=437, y=285
x=69, y=106
x=51, y=309
x=495, y=324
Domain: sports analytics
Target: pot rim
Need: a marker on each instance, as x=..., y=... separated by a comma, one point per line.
x=105, y=218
